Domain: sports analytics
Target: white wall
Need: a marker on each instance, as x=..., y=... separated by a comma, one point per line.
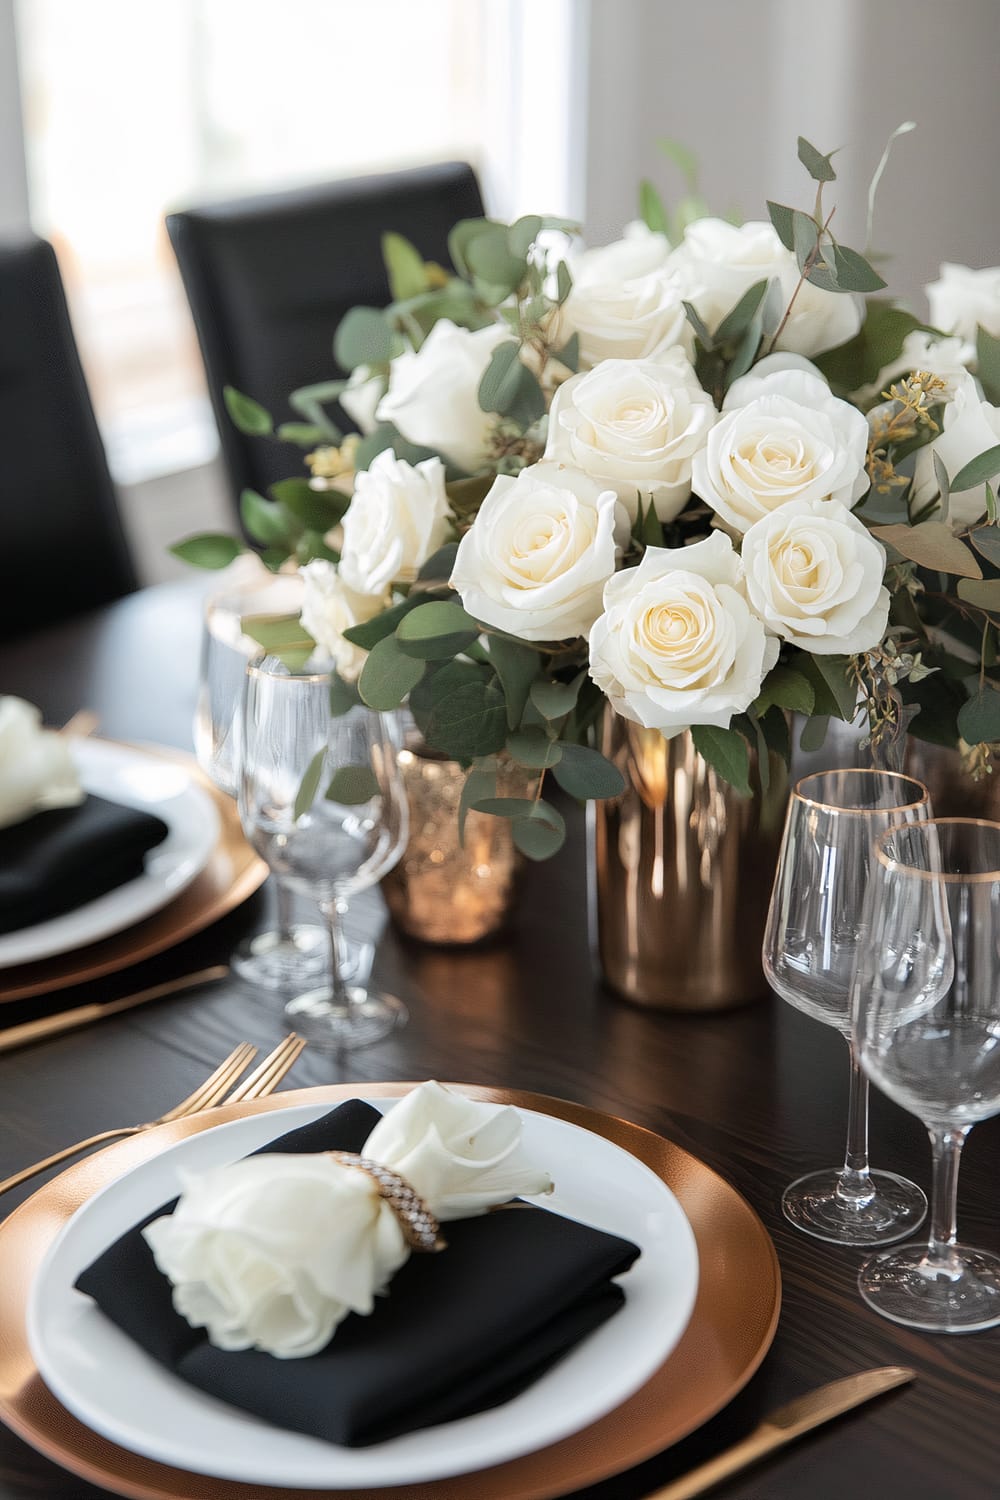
x=738, y=80
x=14, y=220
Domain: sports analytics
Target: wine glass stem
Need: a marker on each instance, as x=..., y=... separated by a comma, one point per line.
x=855, y=1184
x=947, y=1147
x=283, y=901
x=339, y=993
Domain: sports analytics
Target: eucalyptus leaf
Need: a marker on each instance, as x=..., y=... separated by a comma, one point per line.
x=978, y=470
x=246, y=414
x=209, y=549
x=436, y=630
x=819, y=167
x=878, y=344
x=505, y=807
x=835, y=672
x=309, y=402
x=992, y=513
x=351, y=785
x=854, y=274
x=533, y=748
x=983, y=593
x=564, y=282
x=555, y=699
x=943, y=484
x=370, y=632
x=385, y=435
x=517, y=667
x=683, y=158
x=651, y=209
x=694, y=318
x=480, y=783
x=805, y=237
x=932, y=545
x=541, y=833
x=785, y=688
x=988, y=364
x=726, y=752
x=282, y=636
x=586, y=773
x=264, y=520
x=468, y=721
x=404, y=267
x=783, y=219
x=344, y=695
x=388, y=675
x=303, y=434
x=986, y=540
x=814, y=732
x=740, y=317
x=440, y=563
x=979, y=719
x=501, y=379
x=363, y=337
x=317, y=510
x=569, y=354
x=523, y=233
x=309, y=785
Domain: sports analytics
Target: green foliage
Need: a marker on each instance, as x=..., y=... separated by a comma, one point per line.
x=537, y=827
x=978, y=470
x=509, y=387
x=343, y=695
x=878, y=343
x=364, y=337
x=462, y=712
x=310, y=400
x=388, y=675
x=404, y=267
x=986, y=540
x=309, y=785
x=303, y=434
x=726, y=752
x=440, y=564
x=316, y=510
x=436, y=630
x=534, y=749
x=819, y=167
x=554, y=700
x=209, y=549
x=246, y=414
x=282, y=636
x=351, y=785
x=584, y=773
x=265, y=520
x=785, y=688
x=988, y=365
x=651, y=209
x=979, y=719
x=517, y=666
x=932, y=545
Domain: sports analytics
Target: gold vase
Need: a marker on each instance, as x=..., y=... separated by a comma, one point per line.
x=954, y=794
x=446, y=890
x=682, y=873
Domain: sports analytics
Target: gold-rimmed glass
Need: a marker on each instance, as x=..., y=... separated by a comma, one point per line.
x=811, y=944
x=927, y=1019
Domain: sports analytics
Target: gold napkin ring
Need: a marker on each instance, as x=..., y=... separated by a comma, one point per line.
x=421, y=1230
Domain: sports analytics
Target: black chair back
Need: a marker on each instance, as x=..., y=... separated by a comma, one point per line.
x=63, y=549
x=269, y=279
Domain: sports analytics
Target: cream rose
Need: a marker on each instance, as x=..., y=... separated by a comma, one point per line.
x=964, y=299
x=329, y=607
x=677, y=643
x=433, y=395
x=635, y=426
x=36, y=765
x=274, y=1251
x=536, y=558
x=398, y=517
x=970, y=425
x=792, y=440
x=717, y=262
x=624, y=303
x=814, y=576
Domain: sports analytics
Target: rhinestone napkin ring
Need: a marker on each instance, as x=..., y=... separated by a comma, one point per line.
x=421, y=1230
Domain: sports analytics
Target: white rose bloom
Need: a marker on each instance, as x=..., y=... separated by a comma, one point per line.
x=274, y=1251
x=398, y=517
x=718, y=262
x=329, y=607
x=624, y=303
x=433, y=395
x=635, y=426
x=362, y=396
x=970, y=425
x=963, y=299
x=536, y=558
x=678, y=644
x=814, y=576
x=792, y=441
x=948, y=358
x=36, y=765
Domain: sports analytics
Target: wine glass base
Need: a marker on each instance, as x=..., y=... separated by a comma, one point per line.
x=330, y=1027
x=905, y=1286
x=277, y=961
x=895, y=1209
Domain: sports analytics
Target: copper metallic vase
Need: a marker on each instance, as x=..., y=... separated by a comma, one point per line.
x=446, y=890
x=682, y=870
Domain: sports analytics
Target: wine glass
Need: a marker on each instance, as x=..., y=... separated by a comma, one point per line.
x=293, y=952
x=322, y=800
x=927, y=1018
x=811, y=942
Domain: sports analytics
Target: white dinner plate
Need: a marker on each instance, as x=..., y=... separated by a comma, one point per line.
x=126, y=774
x=96, y=1371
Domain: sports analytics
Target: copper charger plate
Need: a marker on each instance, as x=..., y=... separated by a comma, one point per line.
x=731, y=1328
x=232, y=874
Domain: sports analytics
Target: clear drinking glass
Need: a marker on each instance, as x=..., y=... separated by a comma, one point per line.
x=293, y=952
x=322, y=800
x=811, y=943
x=927, y=1016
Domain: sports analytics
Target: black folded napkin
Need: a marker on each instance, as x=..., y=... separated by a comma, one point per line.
x=458, y=1332
x=58, y=860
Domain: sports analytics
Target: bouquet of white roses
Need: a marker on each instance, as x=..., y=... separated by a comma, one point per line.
x=698, y=474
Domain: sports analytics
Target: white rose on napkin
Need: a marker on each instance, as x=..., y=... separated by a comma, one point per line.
x=36, y=767
x=274, y=1251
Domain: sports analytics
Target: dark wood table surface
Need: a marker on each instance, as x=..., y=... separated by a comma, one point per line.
x=759, y=1094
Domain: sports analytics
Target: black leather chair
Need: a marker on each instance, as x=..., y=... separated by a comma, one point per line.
x=269, y=279
x=62, y=547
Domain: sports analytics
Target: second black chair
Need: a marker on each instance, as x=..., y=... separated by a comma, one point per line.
x=269, y=279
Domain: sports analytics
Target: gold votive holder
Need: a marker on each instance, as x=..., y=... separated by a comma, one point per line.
x=447, y=889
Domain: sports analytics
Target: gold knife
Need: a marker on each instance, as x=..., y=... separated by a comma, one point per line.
x=785, y=1425
x=83, y=1015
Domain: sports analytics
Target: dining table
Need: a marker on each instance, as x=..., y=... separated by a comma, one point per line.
x=757, y=1093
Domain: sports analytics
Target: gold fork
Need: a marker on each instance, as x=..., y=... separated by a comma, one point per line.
x=262, y=1081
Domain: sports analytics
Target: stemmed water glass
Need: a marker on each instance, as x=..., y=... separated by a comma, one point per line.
x=811, y=942
x=323, y=801
x=927, y=1018
x=292, y=952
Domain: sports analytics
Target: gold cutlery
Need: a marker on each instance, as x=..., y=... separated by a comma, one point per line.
x=785, y=1425
x=216, y=1089
x=85, y=1015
